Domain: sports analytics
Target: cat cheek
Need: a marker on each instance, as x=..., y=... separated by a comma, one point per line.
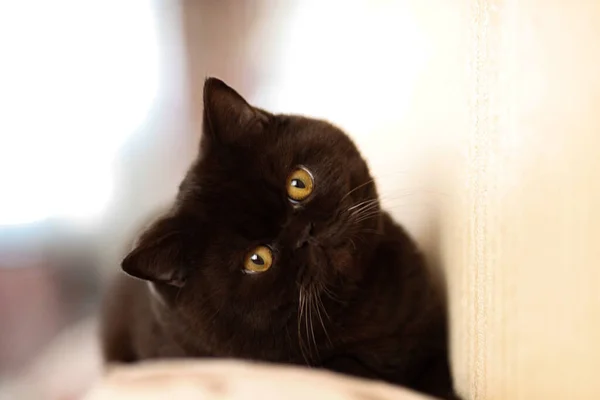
x=341, y=260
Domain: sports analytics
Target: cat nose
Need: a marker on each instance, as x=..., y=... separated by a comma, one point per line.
x=304, y=236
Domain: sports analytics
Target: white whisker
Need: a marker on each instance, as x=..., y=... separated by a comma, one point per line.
x=356, y=188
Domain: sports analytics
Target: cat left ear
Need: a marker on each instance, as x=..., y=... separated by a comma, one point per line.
x=227, y=116
x=159, y=255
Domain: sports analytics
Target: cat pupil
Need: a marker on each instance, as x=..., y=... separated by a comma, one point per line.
x=256, y=259
x=297, y=183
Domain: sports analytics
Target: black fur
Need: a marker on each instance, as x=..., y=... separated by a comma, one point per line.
x=355, y=297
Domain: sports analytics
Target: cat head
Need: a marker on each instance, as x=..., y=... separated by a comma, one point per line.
x=274, y=206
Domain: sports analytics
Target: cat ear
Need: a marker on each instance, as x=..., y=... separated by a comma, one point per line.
x=227, y=116
x=159, y=254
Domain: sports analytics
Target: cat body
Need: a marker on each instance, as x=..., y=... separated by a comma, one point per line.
x=276, y=250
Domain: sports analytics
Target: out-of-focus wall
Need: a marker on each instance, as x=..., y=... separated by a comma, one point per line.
x=522, y=239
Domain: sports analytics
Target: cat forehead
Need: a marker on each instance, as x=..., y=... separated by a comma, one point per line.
x=310, y=131
x=285, y=142
x=303, y=140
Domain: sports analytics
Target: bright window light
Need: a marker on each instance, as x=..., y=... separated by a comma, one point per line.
x=76, y=78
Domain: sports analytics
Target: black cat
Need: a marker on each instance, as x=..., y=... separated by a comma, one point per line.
x=276, y=249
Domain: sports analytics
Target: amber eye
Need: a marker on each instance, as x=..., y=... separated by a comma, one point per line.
x=258, y=259
x=300, y=184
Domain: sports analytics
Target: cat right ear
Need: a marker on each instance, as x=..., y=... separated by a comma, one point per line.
x=159, y=255
x=227, y=115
